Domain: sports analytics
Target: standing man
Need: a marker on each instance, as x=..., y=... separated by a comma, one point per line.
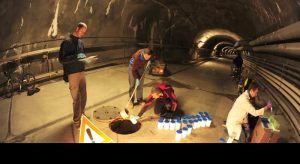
x=136, y=70
x=72, y=56
x=237, y=116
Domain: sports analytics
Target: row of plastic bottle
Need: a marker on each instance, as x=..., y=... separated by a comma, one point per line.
x=185, y=124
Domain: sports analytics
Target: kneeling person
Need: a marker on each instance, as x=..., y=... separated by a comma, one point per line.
x=165, y=101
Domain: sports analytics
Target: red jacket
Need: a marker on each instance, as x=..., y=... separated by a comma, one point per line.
x=137, y=62
x=168, y=96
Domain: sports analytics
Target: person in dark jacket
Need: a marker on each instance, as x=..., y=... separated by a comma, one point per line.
x=71, y=55
x=238, y=63
x=136, y=70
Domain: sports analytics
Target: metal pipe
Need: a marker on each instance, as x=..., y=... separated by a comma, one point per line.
x=283, y=70
x=292, y=49
x=287, y=33
x=293, y=90
x=293, y=115
x=287, y=92
x=283, y=89
x=289, y=75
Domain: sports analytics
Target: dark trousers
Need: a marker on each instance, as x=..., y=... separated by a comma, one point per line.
x=139, y=92
x=77, y=86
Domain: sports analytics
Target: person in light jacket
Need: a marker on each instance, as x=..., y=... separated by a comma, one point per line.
x=237, y=116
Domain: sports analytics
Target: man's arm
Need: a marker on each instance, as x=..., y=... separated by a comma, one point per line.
x=149, y=101
x=250, y=109
x=66, y=55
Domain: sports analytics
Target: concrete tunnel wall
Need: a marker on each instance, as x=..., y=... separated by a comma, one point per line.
x=32, y=20
x=146, y=21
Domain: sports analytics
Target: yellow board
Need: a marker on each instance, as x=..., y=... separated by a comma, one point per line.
x=89, y=133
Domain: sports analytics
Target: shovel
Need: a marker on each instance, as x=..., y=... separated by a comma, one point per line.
x=125, y=113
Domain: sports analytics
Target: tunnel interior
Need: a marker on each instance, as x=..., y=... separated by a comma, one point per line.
x=265, y=32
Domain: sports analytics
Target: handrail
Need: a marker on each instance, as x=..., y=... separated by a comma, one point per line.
x=54, y=40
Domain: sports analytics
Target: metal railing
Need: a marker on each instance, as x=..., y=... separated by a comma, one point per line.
x=125, y=45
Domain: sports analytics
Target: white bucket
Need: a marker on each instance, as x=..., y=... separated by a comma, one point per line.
x=190, y=127
x=203, y=124
x=208, y=122
x=172, y=125
x=178, y=135
x=195, y=125
x=167, y=125
x=160, y=124
x=178, y=124
x=184, y=132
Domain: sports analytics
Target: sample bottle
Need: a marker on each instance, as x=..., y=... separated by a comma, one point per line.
x=178, y=135
x=160, y=124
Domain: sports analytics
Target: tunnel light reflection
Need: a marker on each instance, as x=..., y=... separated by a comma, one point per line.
x=203, y=37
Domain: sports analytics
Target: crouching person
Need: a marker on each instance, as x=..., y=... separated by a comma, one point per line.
x=165, y=102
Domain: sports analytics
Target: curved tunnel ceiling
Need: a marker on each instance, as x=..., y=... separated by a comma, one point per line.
x=165, y=20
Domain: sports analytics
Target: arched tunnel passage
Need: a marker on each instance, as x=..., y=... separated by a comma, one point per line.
x=179, y=32
x=211, y=40
x=218, y=48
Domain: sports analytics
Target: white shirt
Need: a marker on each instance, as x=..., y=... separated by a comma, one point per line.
x=238, y=115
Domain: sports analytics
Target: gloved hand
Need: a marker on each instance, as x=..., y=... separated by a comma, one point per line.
x=269, y=105
x=137, y=82
x=134, y=119
x=81, y=56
